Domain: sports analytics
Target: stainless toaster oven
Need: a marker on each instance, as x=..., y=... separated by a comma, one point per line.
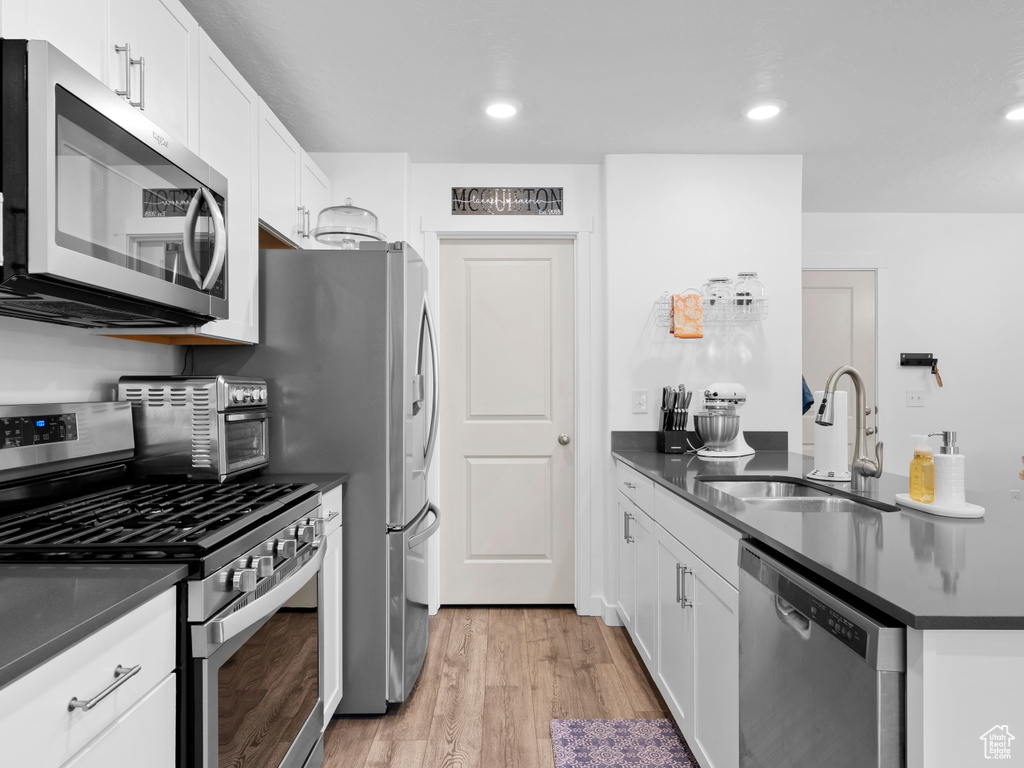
x=198, y=427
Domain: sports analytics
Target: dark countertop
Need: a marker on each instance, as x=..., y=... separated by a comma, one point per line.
x=45, y=609
x=325, y=482
x=926, y=571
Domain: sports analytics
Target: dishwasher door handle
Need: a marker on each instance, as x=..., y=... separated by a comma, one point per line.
x=789, y=615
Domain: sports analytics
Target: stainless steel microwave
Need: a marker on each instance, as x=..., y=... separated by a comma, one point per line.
x=108, y=222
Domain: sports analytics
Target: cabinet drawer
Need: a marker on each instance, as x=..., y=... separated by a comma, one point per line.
x=710, y=539
x=148, y=728
x=636, y=487
x=36, y=727
x=330, y=501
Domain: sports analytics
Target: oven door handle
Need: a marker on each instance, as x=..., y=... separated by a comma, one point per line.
x=208, y=637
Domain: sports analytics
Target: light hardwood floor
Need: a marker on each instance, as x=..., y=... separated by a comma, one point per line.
x=492, y=681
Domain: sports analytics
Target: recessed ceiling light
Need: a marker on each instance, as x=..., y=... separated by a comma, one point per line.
x=765, y=109
x=1016, y=112
x=502, y=109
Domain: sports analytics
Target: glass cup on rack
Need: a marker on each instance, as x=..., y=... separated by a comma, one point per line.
x=719, y=297
x=749, y=292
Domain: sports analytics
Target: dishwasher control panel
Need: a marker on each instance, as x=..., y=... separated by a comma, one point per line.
x=845, y=631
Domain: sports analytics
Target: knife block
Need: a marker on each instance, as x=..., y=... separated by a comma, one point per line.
x=672, y=441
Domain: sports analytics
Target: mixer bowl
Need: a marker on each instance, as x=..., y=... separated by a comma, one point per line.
x=717, y=430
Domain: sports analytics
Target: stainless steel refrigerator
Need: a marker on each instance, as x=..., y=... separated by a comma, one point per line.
x=348, y=348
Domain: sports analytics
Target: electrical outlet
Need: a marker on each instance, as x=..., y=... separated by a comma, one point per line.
x=915, y=398
x=1015, y=494
x=639, y=401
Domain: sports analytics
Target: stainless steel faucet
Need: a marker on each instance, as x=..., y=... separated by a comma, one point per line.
x=862, y=465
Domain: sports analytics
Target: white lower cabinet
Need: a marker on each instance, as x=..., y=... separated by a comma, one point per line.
x=644, y=623
x=38, y=730
x=625, y=564
x=331, y=575
x=674, y=668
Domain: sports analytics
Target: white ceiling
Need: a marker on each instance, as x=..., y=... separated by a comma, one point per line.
x=896, y=105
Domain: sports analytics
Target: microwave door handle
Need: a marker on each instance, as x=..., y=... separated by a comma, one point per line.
x=220, y=236
x=188, y=241
x=428, y=324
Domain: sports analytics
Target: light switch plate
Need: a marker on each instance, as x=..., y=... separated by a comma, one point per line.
x=639, y=401
x=915, y=398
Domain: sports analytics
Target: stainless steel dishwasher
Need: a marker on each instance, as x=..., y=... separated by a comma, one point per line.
x=821, y=683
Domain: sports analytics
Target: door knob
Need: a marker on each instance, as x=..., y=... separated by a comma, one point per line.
x=564, y=438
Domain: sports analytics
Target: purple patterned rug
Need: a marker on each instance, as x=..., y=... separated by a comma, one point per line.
x=632, y=743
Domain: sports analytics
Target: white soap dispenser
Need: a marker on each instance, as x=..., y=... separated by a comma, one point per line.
x=949, y=472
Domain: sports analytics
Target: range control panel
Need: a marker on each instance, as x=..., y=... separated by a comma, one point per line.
x=28, y=431
x=845, y=631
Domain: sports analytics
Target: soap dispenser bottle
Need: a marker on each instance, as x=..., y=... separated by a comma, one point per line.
x=922, y=471
x=949, y=472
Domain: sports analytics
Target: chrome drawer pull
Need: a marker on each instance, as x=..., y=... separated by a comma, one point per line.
x=629, y=485
x=122, y=675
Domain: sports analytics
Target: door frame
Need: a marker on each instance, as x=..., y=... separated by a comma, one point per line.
x=579, y=229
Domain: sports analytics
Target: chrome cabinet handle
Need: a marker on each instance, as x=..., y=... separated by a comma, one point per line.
x=126, y=49
x=679, y=583
x=303, y=221
x=629, y=536
x=141, y=62
x=629, y=485
x=687, y=602
x=121, y=676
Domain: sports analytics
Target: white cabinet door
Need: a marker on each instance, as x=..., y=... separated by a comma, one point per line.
x=78, y=28
x=314, y=195
x=228, y=141
x=674, y=667
x=148, y=729
x=331, y=605
x=625, y=584
x=715, y=735
x=166, y=37
x=279, y=161
x=644, y=634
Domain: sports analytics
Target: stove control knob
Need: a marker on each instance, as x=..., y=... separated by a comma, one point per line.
x=264, y=566
x=243, y=580
x=318, y=526
x=285, y=548
x=305, y=533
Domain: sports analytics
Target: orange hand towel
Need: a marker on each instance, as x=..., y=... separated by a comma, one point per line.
x=687, y=316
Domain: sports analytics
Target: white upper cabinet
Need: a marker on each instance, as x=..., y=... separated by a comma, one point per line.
x=81, y=29
x=146, y=49
x=292, y=188
x=314, y=196
x=164, y=42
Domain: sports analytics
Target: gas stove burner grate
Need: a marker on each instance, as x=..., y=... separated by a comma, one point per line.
x=145, y=519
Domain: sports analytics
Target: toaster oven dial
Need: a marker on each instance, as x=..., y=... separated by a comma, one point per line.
x=243, y=580
x=263, y=565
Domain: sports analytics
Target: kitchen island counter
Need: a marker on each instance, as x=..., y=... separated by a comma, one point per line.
x=44, y=609
x=925, y=571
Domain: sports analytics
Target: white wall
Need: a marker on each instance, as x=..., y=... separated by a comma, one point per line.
x=44, y=363
x=377, y=181
x=672, y=222
x=949, y=284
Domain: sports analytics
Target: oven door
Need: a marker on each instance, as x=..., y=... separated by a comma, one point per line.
x=243, y=442
x=115, y=204
x=256, y=676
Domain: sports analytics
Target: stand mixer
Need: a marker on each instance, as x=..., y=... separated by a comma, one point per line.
x=719, y=424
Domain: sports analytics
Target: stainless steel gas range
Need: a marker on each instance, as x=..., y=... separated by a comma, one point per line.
x=66, y=496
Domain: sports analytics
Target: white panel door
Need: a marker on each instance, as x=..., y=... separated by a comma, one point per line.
x=838, y=329
x=507, y=395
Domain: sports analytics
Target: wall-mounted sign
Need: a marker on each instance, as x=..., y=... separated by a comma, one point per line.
x=158, y=203
x=506, y=201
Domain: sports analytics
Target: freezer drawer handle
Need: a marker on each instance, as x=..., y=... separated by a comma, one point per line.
x=419, y=538
x=789, y=615
x=121, y=676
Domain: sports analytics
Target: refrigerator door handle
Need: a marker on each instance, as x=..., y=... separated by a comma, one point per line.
x=419, y=538
x=427, y=327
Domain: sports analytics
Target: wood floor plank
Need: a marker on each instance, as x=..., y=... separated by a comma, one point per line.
x=545, y=753
x=584, y=638
x=602, y=694
x=656, y=714
x=385, y=753
x=552, y=683
x=509, y=739
x=507, y=658
x=455, y=738
x=411, y=720
x=631, y=671
x=348, y=739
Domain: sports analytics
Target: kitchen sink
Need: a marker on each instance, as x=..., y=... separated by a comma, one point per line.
x=791, y=495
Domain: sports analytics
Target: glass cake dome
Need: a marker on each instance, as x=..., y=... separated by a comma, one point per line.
x=343, y=226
